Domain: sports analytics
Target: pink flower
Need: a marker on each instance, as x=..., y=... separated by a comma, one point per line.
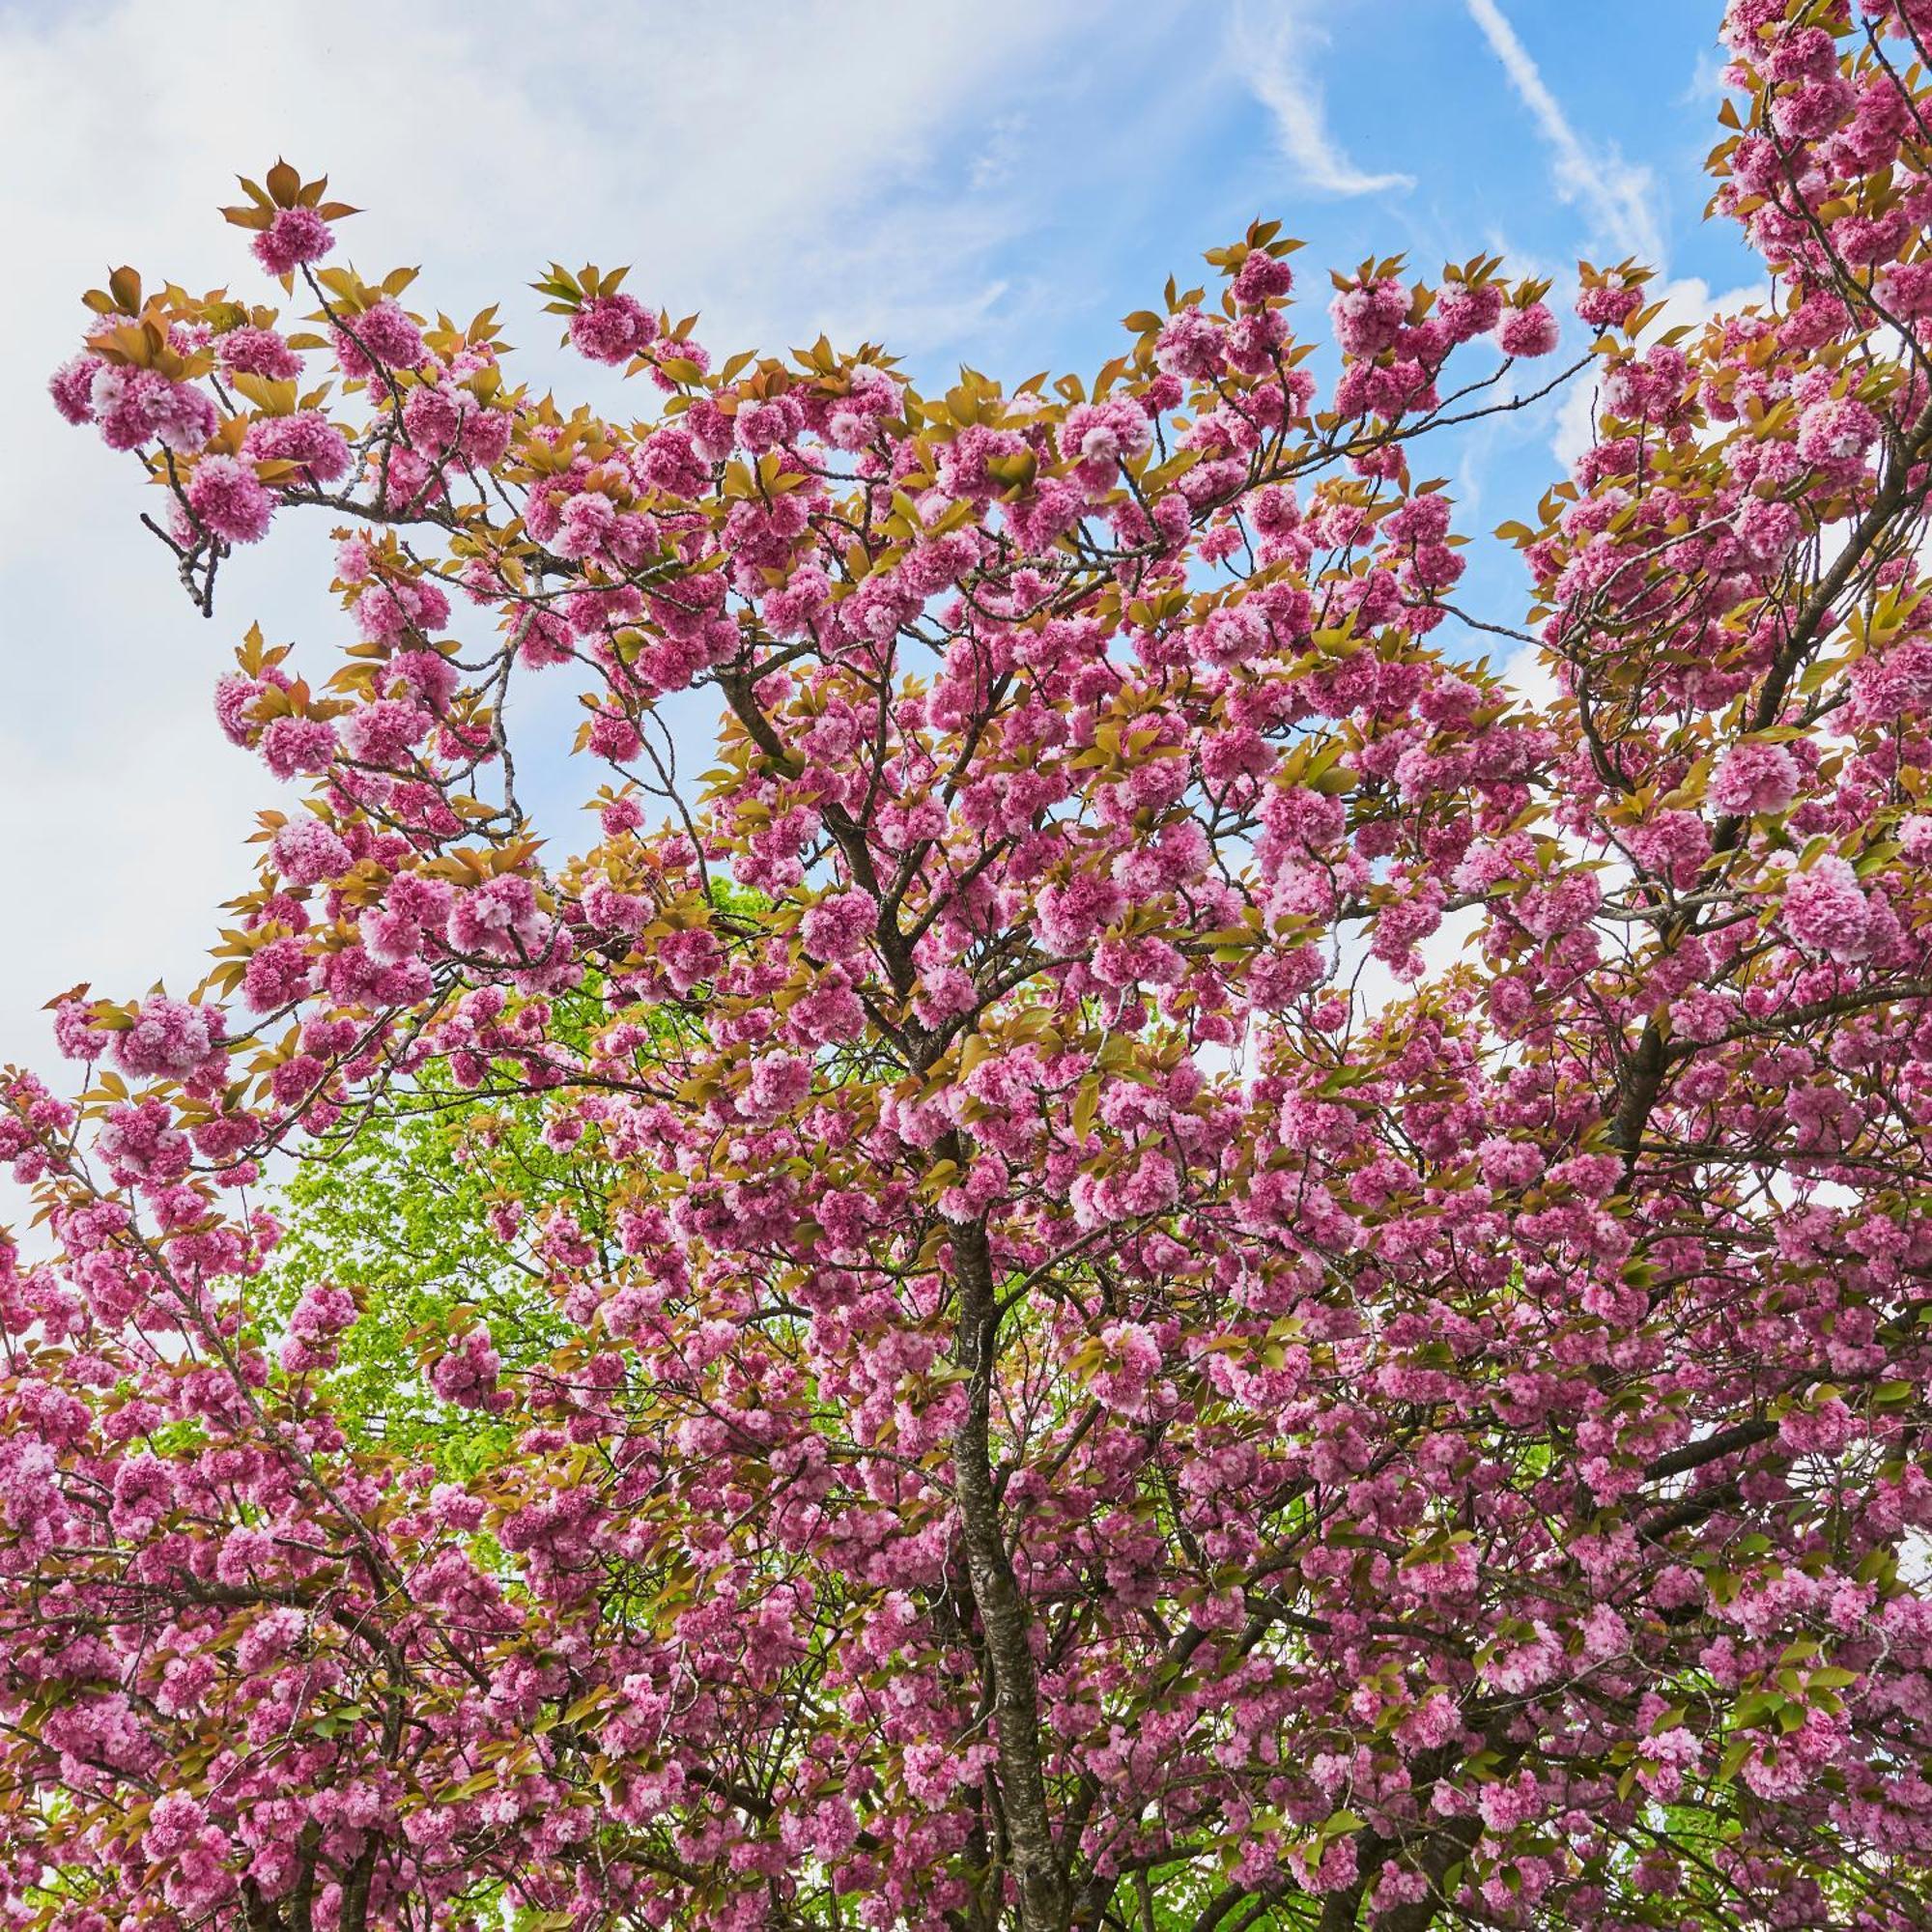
x=1754, y=777
x=779, y=1082
x=295, y=235
x=257, y=352
x=1815, y=109
x=1906, y=290
x=1825, y=911
x=1097, y=437
x=230, y=499
x=1804, y=53
x=1836, y=432
x=467, y=1375
x=291, y=745
x=838, y=924
x=173, y=1822
x=308, y=438
x=234, y=700
x=1189, y=344
x=1277, y=980
x=168, y=1037
x=135, y=405
x=384, y=733
x=1664, y=1760
x=1609, y=306
x=669, y=459
x=76, y=1034
x=1768, y=528
x=391, y=610
x=766, y=425
x=277, y=973
x=1467, y=312
x=546, y=639
x=499, y=919
x=71, y=386
x=613, y=911
x=382, y=334
x=1528, y=332
x=306, y=852
x=183, y=418
x=611, y=329
x=1369, y=317
x=1131, y=1358
x=585, y=526
x=324, y=1312
x=1069, y=917
x=689, y=958
x=963, y=463
x=1261, y=276
x=1508, y=1163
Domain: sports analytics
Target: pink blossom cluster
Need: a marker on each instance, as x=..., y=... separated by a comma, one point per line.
x=1205, y=1252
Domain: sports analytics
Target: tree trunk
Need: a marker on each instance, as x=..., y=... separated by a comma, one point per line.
x=1003, y=1615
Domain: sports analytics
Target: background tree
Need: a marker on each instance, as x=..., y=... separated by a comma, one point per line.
x=1068, y=1411
x=417, y=1216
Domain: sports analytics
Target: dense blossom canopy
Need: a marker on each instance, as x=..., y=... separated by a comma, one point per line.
x=1060, y=1404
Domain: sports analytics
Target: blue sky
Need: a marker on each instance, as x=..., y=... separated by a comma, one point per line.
x=1123, y=166
x=996, y=183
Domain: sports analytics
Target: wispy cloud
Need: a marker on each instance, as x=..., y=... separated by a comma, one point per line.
x=1616, y=195
x=1275, y=61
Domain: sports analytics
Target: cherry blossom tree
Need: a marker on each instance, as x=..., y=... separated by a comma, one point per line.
x=1193, y=1264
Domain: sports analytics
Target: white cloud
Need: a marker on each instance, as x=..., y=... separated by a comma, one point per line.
x=1614, y=194
x=1273, y=58
x=792, y=169
x=1707, y=76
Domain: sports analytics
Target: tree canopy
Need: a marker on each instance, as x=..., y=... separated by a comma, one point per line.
x=978, y=1317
